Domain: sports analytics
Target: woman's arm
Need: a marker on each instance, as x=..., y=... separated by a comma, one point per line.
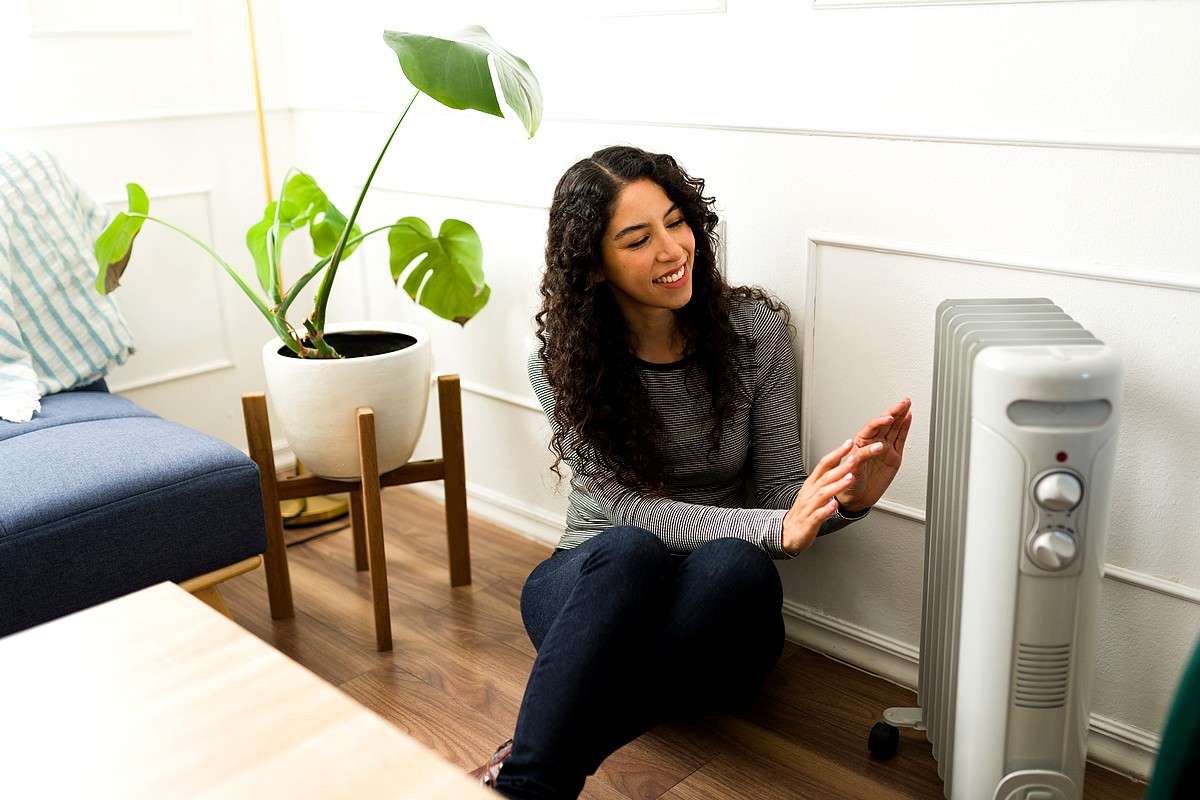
x=793, y=507
x=683, y=526
x=780, y=477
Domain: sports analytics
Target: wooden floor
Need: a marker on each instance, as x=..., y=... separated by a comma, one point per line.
x=461, y=657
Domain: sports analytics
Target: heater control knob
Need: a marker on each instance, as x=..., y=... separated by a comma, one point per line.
x=1053, y=550
x=1058, y=491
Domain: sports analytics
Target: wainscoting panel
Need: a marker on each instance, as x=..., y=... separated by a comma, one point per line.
x=869, y=342
x=72, y=17
x=170, y=296
x=587, y=9
x=832, y=4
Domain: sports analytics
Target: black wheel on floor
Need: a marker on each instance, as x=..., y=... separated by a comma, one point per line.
x=883, y=740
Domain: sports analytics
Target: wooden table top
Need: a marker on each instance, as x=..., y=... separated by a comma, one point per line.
x=156, y=695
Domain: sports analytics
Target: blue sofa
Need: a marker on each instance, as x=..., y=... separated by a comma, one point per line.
x=99, y=498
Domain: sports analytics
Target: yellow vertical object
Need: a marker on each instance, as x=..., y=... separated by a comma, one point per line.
x=305, y=510
x=258, y=106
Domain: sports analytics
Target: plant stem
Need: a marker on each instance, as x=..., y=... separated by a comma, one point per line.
x=295, y=289
x=275, y=271
x=245, y=287
x=317, y=337
x=300, y=283
x=278, y=323
x=322, y=299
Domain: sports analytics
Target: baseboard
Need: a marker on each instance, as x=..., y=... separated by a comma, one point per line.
x=1111, y=744
x=1122, y=748
x=888, y=658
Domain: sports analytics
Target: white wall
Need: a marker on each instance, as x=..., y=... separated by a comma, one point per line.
x=159, y=92
x=870, y=159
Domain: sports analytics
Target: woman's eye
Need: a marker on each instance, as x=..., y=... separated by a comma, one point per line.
x=639, y=242
x=677, y=223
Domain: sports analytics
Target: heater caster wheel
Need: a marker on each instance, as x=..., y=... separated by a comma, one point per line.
x=883, y=740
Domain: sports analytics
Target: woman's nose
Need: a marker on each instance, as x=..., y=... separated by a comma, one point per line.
x=671, y=249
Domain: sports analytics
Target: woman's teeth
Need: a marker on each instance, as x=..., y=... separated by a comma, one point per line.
x=674, y=276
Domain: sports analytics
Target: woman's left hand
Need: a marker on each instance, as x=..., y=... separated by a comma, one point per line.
x=878, y=449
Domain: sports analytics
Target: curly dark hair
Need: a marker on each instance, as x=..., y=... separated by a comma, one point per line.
x=601, y=406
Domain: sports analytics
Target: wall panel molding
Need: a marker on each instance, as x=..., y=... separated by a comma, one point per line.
x=1061, y=140
x=383, y=187
x=1164, y=586
x=594, y=9
x=177, y=115
x=502, y=396
x=1113, y=274
x=1135, y=277
x=193, y=276
x=1183, y=145
x=838, y=4
x=1141, y=580
x=817, y=240
x=1187, y=145
x=166, y=376
x=89, y=18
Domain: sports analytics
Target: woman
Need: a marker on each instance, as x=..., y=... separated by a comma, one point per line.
x=667, y=391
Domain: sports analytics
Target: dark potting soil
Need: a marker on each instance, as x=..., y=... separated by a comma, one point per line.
x=355, y=344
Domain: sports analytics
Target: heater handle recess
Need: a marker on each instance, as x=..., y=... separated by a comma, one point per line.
x=1036, y=784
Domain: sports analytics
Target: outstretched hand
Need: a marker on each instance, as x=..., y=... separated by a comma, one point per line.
x=877, y=449
x=852, y=477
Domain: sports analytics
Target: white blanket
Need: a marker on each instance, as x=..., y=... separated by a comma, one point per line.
x=56, y=331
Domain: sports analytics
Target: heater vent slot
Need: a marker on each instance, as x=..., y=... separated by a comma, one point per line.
x=1043, y=675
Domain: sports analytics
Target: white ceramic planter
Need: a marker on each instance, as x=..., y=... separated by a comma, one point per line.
x=314, y=401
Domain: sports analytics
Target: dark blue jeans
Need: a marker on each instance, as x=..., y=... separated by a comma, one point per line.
x=629, y=636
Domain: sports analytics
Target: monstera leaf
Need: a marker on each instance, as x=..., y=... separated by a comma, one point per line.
x=443, y=273
x=454, y=71
x=301, y=204
x=449, y=279
x=115, y=244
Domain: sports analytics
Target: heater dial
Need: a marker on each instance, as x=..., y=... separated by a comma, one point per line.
x=1058, y=491
x=1053, y=549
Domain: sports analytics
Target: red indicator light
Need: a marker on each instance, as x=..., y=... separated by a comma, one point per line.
x=1061, y=457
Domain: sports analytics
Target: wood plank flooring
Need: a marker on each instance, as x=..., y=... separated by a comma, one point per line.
x=456, y=674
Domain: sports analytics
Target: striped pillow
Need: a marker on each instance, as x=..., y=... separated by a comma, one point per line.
x=56, y=331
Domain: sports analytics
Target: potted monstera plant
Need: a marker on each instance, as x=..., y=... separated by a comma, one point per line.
x=319, y=373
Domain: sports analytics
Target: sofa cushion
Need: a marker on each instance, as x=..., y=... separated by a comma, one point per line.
x=99, y=497
x=70, y=408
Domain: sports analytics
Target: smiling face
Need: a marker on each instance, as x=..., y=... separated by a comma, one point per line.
x=648, y=250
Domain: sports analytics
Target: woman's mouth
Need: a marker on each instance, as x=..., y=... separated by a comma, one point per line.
x=674, y=277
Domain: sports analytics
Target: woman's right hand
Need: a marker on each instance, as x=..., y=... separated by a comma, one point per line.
x=815, y=501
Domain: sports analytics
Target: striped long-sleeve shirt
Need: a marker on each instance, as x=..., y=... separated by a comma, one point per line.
x=708, y=495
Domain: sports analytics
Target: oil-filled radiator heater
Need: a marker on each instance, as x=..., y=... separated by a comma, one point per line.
x=1023, y=431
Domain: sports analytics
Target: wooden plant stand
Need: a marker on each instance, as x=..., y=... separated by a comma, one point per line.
x=366, y=514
